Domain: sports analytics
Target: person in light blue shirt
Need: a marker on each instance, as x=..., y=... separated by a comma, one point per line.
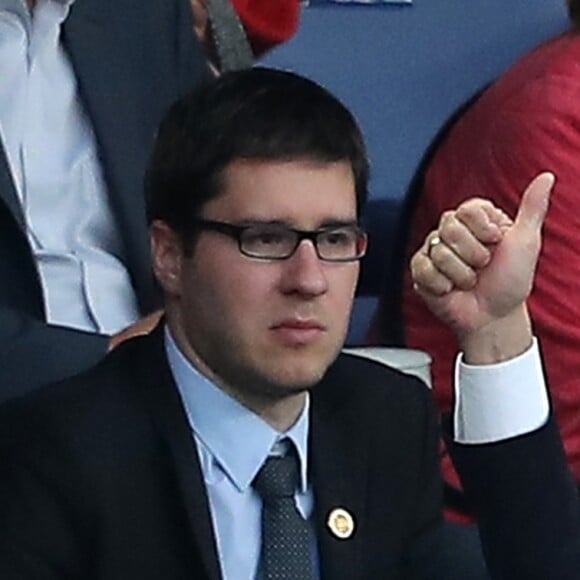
x=83, y=87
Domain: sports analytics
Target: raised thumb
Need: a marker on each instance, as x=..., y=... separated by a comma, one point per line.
x=535, y=202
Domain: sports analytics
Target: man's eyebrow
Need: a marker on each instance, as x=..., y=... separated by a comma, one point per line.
x=325, y=224
x=260, y=222
x=339, y=223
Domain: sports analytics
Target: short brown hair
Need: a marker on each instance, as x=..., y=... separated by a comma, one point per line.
x=256, y=113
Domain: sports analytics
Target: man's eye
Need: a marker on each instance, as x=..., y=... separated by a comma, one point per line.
x=266, y=237
x=338, y=238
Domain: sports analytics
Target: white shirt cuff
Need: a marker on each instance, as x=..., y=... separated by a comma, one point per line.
x=500, y=401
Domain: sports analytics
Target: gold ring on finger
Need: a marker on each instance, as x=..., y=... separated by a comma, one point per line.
x=434, y=241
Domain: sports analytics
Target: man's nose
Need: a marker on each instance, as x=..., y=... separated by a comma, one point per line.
x=304, y=271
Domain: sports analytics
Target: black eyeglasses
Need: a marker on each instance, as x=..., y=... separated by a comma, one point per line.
x=266, y=241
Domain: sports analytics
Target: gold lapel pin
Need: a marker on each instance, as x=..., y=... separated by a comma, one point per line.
x=340, y=523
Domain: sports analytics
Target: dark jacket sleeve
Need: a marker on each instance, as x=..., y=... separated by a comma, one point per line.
x=526, y=503
x=34, y=353
x=431, y=555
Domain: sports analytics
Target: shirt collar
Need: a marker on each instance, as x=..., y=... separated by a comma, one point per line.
x=20, y=8
x=238, y=440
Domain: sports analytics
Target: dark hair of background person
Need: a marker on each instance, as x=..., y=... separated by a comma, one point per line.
x=574, y=12
x=255, y=114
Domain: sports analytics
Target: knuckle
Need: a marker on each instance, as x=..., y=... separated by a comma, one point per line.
x=446, y=216
x=472, y=208
x=415, y=263
x=420, y=273
x=475, y=203
x=441, y=286
x=460, y=273
x=452, y=233
x=442, y=257
x=468, y=279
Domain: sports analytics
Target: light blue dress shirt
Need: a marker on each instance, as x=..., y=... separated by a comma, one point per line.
x=495, y=402
x=53, y=159
x=233, y=443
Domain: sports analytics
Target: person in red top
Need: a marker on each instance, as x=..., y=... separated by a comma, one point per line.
x=526, y=122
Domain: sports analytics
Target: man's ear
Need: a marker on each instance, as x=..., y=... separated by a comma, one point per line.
x=167, y=256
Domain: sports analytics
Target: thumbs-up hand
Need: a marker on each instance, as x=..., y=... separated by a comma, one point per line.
x=476, y=271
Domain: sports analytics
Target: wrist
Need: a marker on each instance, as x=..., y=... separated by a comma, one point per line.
x=498, y=340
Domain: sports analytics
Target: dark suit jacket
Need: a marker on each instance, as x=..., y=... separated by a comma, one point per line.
x=101, y=479
x=132, y=59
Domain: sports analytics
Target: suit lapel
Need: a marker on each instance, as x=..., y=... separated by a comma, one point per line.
x=165, y=407
x=8, y=190
x=123, y=110
x=338, y=464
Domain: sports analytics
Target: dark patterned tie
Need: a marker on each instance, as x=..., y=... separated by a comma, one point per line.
x=231, y=42
x=286, y=537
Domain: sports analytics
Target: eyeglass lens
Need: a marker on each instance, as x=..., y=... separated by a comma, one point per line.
x=272, y=241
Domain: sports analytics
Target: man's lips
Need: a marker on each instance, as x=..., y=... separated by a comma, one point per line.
x=299, y=323
x=294, y=331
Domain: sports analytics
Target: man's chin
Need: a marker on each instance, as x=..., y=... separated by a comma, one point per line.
x=299, y=376
x=280, y=373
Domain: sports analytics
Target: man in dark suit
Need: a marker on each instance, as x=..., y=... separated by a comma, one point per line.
x=153, y=464
x=130, y=61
